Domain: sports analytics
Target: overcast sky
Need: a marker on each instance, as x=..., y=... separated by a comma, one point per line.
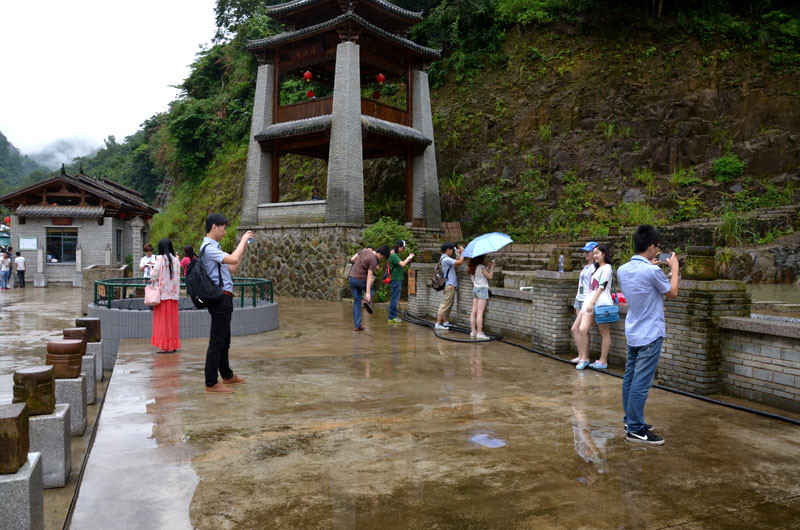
x=86, y=69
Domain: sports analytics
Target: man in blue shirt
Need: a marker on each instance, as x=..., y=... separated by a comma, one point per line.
x=450, y=261
x=217, y=262
x=644, y=284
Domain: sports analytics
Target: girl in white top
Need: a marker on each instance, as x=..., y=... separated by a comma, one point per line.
x=147, y=262
x=5, y=270
x=480, y=294
x=599, y=294
x=584, y=285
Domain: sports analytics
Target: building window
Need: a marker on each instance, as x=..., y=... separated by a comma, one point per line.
x=118, y=243
x=61, y=245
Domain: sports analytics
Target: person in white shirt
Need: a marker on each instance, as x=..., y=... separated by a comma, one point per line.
x=19, y=262
x=584, y=283
x=147, y=262
x=480, y=275
x=599, y=294
x=5, y=270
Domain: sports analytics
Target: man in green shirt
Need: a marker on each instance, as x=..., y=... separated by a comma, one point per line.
x=396, y=271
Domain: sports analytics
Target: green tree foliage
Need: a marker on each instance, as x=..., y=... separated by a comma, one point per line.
x=15, y=167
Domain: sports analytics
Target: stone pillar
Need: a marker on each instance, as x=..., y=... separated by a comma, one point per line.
x=419, y=303
x=553, y=295
x=345, y=199
x=77, y=278
x=426, y=182
x=258, y=174
x=137, y=225
x=107, y=255
x=691, y=354
x=39, y=279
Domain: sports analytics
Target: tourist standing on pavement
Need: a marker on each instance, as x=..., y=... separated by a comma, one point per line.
x=19, y=262
x=5, y=270
x=397, y=273
x=644, y=285
x=188, y=257
x=480, y=294
x=147, y=262
x=219, y=263
x=167, y=277
x=584, y=285
x=599, y=294
x=450, y=260
x=362, y=275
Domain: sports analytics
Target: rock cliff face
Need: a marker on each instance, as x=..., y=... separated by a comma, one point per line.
x=604, y=108
x=775, y=263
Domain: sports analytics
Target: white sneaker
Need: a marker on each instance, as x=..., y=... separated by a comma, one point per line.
x=481, y=336
x=447, y=325
x=473, y=335
x=440, y=327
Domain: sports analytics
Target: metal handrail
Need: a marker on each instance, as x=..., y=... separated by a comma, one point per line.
x=260, y=289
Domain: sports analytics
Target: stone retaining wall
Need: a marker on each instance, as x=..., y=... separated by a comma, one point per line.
x=701, y=352
x=302, y=260
x=761, y=361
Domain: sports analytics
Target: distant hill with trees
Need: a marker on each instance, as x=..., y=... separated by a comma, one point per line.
x=16, y=167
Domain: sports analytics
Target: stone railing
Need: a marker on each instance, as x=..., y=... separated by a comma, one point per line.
x=711, y=345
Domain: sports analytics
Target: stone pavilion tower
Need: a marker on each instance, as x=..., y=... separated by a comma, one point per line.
x=346, y=49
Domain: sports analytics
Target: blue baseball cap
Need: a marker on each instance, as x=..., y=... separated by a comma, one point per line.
x=588, y=247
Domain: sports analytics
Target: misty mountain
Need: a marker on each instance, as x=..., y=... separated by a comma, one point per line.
x=64, y=150
x=15, y=167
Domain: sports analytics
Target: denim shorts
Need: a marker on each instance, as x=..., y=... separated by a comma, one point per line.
x=481, y=293
x=577, y=305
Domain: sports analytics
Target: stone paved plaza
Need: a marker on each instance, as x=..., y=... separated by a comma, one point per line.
x=372, y=430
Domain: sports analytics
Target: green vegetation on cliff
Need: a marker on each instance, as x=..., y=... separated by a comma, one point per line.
x=550, y=117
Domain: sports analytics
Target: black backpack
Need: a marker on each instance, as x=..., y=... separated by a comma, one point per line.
x=199, y=286
x=439, y=280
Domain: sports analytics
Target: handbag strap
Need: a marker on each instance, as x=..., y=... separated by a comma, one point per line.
x=219, y=265
x=614, y=298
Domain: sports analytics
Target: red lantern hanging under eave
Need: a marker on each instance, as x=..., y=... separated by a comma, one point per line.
x=308, y=76
x=7, y=220
x=147, y=217
x=380, y=78
x=376, y=95
x=122, y=215
x=310, y=94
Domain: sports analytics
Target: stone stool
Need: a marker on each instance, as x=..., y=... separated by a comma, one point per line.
x=22, y=495
x=49, y=426
x=77, y=334
x=35, y=387
x=73, y=393
x=92, y=326
x=14, y=439
x=65, y=357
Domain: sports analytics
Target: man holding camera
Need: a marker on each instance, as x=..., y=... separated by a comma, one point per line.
x=644, y=285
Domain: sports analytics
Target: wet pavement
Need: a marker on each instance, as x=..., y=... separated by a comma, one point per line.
x=381, y=429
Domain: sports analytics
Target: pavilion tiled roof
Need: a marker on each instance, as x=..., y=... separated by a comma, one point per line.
x=60, y=211
x=270, y=42
x=288, y=7
x=396, y=130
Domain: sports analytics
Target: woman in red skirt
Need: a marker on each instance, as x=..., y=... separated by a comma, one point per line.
x=167, y=276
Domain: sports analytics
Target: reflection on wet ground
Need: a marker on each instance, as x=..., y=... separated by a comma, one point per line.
x=336, y=429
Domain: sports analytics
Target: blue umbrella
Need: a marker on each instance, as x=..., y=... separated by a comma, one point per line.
x=485, y=244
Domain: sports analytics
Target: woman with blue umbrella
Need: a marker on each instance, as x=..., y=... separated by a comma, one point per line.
x=481, y=274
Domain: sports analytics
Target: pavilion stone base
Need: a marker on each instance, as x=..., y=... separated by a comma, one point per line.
x=96, y=349
x=50, y=436
x=22, y=496
x=88, y=369
x=73, y=393
x=303, y=260
x=39, y=280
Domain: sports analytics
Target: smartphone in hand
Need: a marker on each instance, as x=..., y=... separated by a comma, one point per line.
x=664, y=256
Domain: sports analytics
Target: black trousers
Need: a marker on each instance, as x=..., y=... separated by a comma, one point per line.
x=21, y=278
x=219, y=341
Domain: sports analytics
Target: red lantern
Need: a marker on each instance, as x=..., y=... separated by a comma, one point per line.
x=308, y=76
x=376, y=95
x=147, y=217
x=380, y=78
x=7, y=220
x=122, y=215
x=310, y=94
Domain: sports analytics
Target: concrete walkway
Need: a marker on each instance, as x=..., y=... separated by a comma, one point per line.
x=336, y=429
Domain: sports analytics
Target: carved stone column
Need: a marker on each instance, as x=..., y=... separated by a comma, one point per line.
x=345, y=198
x=107, y=255
x=137, y=225
x=77, y=278
x=39, y=279
x=426, y=182
x=258, y=174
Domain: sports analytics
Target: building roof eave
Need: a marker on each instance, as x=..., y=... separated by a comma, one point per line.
x=286, y=8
